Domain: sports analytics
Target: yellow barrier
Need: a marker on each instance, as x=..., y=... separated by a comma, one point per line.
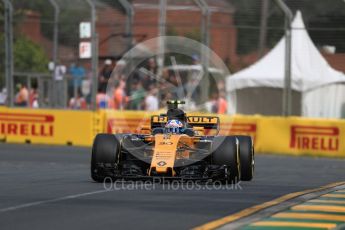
x=239, y=125
x=293, y=135
x=126, y=121
x=299, y=136
x=47, y=126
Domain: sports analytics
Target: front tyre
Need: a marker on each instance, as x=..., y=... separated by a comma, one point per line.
x=105, y=151
x=246, y=157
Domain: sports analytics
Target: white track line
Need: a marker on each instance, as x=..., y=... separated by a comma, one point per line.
x=27, y=205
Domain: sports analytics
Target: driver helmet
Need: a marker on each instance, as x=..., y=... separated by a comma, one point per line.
x=174, y=126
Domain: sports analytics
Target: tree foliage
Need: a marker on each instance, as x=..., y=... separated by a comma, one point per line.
x=28, y=56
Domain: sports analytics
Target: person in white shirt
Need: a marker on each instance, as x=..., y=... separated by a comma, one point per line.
x=3, y=96
x=59, y=100
x=151, y=101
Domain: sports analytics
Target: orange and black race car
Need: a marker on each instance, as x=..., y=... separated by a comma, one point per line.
x=176, y=148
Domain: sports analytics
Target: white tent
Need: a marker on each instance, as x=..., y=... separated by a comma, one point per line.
x=318, y=89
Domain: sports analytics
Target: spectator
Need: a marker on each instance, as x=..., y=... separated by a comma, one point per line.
x=22, y=97
x=215, y=104
x=120, y=69
x=105, y=75
x=149, y=79
x=222, y=103
x=103, y=101
x=77, y=102
x=152, y=67
x=59, y=87
x=35, y=104
x=70, y=80
x=151, y=101
x=165, y=97
x=33, y=98
x=196, y=59
x=221, y=85
x=86, y=87
x=3, y=96
x=78, y=74
x=165, y=74
x=120, y=97
x=137, y=97
x=177, y=91
x=192, y=89
x=212, y=105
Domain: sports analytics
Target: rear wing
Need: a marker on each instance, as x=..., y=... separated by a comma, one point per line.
x=207, y=122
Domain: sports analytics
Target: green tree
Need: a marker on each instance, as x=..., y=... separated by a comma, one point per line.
x=29, y=57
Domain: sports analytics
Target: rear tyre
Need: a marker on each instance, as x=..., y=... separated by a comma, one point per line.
x=246, y=157
x=105, y=150
x=225, y=153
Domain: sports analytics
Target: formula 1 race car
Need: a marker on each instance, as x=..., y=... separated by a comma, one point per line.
x=176, y=148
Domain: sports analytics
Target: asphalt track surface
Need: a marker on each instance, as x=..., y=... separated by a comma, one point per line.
x=46, y=187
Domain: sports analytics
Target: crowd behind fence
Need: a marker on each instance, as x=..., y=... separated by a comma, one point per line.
x=143, y=91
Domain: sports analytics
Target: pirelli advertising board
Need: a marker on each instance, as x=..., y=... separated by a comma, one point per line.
x=278, y=135
x=46, y=126
x=126, y=121
x=240, y=125
x=298, y=136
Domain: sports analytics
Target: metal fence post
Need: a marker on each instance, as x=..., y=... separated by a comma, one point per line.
x=94, y=58
x=129, y=22
x=205, y=23
x=263, y=27
x=288, y=51
x=205, y=34
x=9, y=51
x=55, y=41
x=162, y=33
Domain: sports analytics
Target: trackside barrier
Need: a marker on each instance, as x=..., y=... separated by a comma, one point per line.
x=293, y=135
x=48, y=126
x=302, y=136
x=279, y=135
x=126, y=121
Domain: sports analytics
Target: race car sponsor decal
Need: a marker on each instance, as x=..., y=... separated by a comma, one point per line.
x=314, y=138
x=159, y=119
x=161, y=163
x=202, y=120
x=190, y=119
x=164, y=155
x=166, y=143
x=26, y=124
